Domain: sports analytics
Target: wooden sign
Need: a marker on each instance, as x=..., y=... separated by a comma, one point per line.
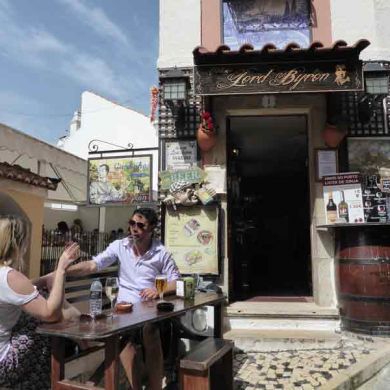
x=278, y=78
x=193, y=175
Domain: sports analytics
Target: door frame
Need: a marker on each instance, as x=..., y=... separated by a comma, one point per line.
x=304, y=112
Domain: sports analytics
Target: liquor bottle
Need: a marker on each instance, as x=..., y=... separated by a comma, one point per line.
x=331, y=209
x=343, y=209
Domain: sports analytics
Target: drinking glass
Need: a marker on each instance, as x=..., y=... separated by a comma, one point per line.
x=112, y=288
x=161, y=285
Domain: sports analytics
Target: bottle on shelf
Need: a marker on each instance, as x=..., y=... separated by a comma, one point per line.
x=331, y=209
x=343, y=209
x=95, y=298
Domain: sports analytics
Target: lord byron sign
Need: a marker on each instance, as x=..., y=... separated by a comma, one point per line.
x=278, y=78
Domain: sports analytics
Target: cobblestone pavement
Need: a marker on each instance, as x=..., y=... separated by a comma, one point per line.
x=298, y=369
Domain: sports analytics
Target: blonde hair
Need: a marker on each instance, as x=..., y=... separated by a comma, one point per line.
x=13, y=240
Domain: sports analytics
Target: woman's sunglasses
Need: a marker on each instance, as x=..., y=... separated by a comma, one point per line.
x=138, y=224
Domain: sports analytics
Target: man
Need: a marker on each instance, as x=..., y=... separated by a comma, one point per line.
x=102, y=190
x=141, y=259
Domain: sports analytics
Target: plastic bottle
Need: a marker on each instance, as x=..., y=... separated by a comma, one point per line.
x=95, y=298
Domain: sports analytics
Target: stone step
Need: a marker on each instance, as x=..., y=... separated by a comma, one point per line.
x=282, y=339
x=281, y=310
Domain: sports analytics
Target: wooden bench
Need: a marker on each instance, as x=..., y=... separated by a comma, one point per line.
x=208, y=366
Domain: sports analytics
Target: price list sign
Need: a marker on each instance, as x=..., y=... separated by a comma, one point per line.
x=343, y=199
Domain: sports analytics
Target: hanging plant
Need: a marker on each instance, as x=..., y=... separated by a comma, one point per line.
x=206, y=135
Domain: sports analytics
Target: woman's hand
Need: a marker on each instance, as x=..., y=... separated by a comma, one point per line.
x=69, y=255
x=149, y=293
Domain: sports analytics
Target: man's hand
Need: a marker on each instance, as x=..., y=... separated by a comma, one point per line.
x=149, y=293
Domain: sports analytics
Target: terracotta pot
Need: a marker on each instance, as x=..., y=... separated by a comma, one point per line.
x=332, y=135
x=206, y=139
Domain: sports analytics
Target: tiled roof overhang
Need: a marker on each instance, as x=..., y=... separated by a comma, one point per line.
x=17, y=173
x=270, y=54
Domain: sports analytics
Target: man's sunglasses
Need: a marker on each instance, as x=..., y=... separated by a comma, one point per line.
x=138, y=224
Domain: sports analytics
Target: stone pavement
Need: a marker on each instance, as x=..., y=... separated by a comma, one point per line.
x=305, y=369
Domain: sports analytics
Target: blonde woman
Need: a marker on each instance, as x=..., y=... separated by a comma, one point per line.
x=24, y=354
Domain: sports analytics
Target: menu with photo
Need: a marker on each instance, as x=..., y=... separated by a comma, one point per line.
x=191, y=235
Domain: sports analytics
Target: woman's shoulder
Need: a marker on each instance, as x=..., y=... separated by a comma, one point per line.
x=19, y=283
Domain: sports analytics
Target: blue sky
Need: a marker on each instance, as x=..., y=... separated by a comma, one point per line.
x=53, y=50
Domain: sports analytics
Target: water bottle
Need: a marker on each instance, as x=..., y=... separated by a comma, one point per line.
x=95, y=298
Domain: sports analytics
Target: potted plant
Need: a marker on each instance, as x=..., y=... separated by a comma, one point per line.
x=206, y=135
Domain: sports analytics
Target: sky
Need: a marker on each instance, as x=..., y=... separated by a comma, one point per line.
x=53, y=50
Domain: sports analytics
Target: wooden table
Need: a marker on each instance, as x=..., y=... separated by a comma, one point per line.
x=109, y=331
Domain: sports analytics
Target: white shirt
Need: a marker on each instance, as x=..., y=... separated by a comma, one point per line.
x=137, y=273
x=10, y=310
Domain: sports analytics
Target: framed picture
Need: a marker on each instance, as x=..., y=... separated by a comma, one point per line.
x=191, y=234
x=326, y=161
x=120, y=180
x=369, y=156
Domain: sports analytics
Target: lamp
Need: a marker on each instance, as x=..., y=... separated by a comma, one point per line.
x=376, y=88
x=175, y=90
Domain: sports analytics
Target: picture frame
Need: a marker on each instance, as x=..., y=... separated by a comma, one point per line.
x=192, y=236
x=326, y=162
x=120, y=180
x=369, y=155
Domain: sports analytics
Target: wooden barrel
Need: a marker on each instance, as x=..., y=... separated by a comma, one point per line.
x=363, y=278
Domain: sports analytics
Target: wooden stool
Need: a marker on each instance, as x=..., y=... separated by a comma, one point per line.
x=208, y=366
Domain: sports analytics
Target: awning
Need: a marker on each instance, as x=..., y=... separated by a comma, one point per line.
x=271, y=70
x=23, y=175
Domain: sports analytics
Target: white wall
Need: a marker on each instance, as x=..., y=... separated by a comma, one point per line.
x=180, y=32
x=370, y=19
x=107, y=121
x=89, y=217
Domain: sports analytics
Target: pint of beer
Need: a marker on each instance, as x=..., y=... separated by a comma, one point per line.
x=161, y=284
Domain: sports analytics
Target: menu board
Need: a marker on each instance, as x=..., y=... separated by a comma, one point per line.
x=191, y=235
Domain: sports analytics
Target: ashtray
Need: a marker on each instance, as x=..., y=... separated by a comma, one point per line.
x=88, y=317
x=124, y=307
x=165, y=306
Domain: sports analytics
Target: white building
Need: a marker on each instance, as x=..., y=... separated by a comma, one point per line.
x=107, y=125
x=256, y=123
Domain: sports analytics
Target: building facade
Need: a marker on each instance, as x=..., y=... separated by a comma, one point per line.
x=241, y=62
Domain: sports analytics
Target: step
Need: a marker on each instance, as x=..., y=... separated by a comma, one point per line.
x=282, y=339
x=281, y=310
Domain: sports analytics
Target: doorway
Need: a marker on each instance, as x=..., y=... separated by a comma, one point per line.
x=269, y=207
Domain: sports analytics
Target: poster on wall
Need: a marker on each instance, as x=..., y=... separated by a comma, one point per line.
x=262, y=21
x=120, y=180
x=191, y=235
x=343, y=199
x=180, y=154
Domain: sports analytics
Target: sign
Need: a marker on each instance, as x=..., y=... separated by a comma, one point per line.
x=343, y=199
x=191, y=235
x=278, y=78
x=193, y=176
x=326, y=162
x=385, y=184
x=180, y=154
x=120, y=180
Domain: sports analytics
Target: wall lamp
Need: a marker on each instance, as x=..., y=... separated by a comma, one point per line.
x=175, y=85
x=376, y=89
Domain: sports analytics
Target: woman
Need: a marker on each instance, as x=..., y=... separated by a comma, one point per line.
x=24, y=354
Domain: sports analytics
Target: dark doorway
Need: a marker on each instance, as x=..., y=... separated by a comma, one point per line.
x=269, y=207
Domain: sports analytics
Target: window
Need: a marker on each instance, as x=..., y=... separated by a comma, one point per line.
x=266, y=21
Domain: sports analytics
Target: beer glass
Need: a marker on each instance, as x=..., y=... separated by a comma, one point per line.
x=161, y=285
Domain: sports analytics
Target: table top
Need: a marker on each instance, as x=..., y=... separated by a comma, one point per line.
x=142, y=313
